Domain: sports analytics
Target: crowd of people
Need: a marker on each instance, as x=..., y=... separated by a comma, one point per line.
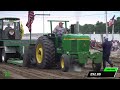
x=115, y=44
x=93, y=43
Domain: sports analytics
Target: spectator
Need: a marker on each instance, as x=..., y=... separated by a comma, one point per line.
x=106, y=52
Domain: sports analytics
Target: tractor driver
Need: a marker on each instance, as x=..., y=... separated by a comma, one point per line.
x=59, y=31
x=8, y=27
x=6, y=30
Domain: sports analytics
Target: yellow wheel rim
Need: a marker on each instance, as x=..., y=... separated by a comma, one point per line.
x=62, y=63
x=39, y=53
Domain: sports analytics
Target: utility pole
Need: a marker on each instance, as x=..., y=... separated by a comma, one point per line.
x=77, y=13
x=43, y=18
x=77, y=27
x=113, y=31
x=43, y=23
x=106, y=24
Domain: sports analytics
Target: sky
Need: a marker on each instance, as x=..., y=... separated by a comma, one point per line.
x=84, y=17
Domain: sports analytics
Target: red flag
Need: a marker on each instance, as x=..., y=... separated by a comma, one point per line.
x=111, y=22
x=30, y=19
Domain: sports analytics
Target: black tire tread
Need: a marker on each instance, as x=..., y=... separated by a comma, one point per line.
x=26, y=61
x=0, y=55
x=48, y=52
x=66, y=63
x=29, y=52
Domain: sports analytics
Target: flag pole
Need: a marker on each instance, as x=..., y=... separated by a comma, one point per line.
x=113, y=27
x=112, y=31
x=30, y=21
x=106, y=24
x=112, y=23
x=30, y=32
x=43, y=19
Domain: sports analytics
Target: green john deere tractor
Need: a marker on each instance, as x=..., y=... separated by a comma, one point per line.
x=75, y=49
x=12, y=49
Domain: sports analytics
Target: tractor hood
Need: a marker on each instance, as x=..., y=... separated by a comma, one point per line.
x=75, y=37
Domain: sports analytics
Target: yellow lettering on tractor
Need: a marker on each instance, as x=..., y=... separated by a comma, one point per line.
x=76, y=39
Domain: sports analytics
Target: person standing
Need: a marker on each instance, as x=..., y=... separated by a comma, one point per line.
x=107, y=45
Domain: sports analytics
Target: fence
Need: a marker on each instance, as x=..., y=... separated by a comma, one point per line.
x=98, y=37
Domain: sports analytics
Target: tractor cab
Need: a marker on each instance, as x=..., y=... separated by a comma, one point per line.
x=71, y=30
x=51, y=21
x=9, y=28
x=53, y=36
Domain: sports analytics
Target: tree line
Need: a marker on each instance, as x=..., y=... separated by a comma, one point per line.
x=99, y=27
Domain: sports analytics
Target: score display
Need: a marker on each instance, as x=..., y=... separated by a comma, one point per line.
x=107, y=72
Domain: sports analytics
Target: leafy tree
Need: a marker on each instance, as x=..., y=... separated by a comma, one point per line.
x=21, y=30
x=100, y=27
x=117, y=25
x=87, y=29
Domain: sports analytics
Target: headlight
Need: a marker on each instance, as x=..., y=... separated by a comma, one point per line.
x=11, y=32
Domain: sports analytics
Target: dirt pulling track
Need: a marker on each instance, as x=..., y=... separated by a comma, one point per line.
x=35, y=73
x=17, y=72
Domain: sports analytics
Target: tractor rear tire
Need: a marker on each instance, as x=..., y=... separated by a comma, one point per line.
x=28, y=57
x=96, y=66
x=45, y=53
x=65, y=63
x=0, y=55
x=32, y=53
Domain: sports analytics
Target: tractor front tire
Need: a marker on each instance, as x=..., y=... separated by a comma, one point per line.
x=96, y=66
x=29, y=57
x=0, y=55
x=45, y=53
x=65, y=63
